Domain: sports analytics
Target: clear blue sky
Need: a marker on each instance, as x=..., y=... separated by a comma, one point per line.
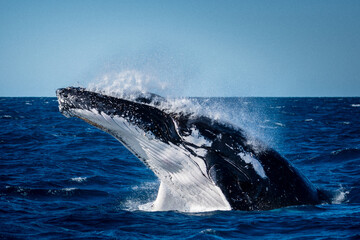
x=214, y=48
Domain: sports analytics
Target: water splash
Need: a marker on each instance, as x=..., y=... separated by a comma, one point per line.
x=127, y=84
x=158, y=70
x=339, y=196
x=141, y=197
x=133, y=84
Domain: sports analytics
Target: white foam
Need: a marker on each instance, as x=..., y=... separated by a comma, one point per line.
x=209, y=231
x=355, y=105
x=79, y=179
x=339, y=196
x=280, y=124
x=146, y=207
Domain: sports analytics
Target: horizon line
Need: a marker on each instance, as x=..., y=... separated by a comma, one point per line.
x=210, y=97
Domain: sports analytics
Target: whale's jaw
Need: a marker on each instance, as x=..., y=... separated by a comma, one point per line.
x=185, y=184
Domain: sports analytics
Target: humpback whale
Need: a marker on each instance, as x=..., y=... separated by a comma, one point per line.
x=202, y=164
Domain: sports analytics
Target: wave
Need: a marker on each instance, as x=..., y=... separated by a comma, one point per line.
x=339, y=156
x=346, y=154
x=342, y=166
x=40, y=194
x=79, y=179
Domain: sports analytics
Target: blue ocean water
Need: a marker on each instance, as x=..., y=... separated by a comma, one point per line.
x=61, y=178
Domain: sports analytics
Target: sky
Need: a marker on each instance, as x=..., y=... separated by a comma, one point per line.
x=198, y=48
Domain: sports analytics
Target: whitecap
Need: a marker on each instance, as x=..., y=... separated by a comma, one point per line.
x=208, y=231
x=266, y=127
x=339, y=196
x=68, y=189
x=79, y=179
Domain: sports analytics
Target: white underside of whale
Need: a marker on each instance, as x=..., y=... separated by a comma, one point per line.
x=185, y=185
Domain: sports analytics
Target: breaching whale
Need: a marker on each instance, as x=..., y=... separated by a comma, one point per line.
x=202, y=164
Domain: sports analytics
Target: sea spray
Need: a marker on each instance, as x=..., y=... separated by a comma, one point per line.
x=133, y=84
x=128, y=84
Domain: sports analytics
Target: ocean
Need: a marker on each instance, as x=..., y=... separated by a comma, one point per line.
x=61, y=178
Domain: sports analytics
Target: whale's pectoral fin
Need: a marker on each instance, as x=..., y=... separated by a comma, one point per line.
x=326, y=196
